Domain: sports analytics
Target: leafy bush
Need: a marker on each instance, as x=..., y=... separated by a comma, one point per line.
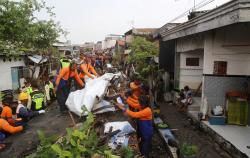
x=188, y=150
x=77, y=143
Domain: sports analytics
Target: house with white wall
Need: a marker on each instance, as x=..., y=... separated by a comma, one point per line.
x=212, y=50
x=11, y=70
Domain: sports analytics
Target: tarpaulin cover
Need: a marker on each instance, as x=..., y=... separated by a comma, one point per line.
x=88, y=97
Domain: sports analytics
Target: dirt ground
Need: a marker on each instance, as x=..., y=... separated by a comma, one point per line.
x=27, y=140
x=189, y=133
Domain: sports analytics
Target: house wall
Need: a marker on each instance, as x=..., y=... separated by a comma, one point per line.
x=191, y=75
x=108, y=44
x=5, y=73
x=231, y=44
x=128, y=38
x=190, y=43
x=215, y=88
x=190, y=47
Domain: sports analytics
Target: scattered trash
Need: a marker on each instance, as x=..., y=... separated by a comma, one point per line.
x=102, y=107
x=124, y=126
x=118, y=140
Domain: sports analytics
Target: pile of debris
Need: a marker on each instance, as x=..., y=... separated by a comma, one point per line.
x=97, y=97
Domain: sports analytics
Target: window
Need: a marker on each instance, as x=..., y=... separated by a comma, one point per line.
x=23, y=72
x=192, y=62
x=220, y=67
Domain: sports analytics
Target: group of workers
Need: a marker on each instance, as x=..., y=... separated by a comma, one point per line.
x=72, y=70
x=139, y=109
x=31, y=101
x=14, y=116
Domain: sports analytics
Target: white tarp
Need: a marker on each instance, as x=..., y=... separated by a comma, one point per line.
x=88, y=97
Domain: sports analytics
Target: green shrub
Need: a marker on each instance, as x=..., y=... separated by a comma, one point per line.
x=188, y=150
x=77, y=143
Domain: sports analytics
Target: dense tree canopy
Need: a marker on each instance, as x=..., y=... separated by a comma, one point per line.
x=21, y=31
x=142, y=51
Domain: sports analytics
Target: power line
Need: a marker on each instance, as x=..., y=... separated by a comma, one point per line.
x=198, y=6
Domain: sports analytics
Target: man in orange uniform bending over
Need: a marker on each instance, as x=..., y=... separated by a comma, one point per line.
x=63, y=82
x=87, y=69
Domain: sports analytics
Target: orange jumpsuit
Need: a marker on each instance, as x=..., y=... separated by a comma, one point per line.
x=86, y=69
x=133, y=103
x=144, y=114
x=7, y=114
x=145, y=129
x=6, y=127
x=65, y=74
x=133, y=99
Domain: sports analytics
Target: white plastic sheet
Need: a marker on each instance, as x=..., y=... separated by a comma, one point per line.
x=124, y=126
x=94, y=88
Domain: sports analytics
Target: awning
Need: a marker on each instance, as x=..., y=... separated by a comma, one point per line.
x=38, y=59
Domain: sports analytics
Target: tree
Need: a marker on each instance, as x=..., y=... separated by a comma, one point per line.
x=142, y=52
x=21, y=31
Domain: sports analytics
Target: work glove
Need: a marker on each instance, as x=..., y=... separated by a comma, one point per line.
x=41, y=111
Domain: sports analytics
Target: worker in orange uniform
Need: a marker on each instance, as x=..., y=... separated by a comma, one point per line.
x=5, y=127
x=132, y=99
x=7, y=111
x=86, y=68
x=63, y=83
x=144, y=124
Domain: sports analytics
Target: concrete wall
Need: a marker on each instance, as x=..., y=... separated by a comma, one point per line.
x=231, y=44
x=191, y=75
x=190, y=43
x=215, y=88
x=5, y=73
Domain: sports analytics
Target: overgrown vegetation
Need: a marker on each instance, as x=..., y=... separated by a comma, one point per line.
x=77, y=143
x=142, y=53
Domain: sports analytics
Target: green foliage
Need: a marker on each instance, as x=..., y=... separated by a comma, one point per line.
x=142, y=52
x=127, y=152
x=77, y=143
x=44, y=149
x=188, y=150
x=21, y=31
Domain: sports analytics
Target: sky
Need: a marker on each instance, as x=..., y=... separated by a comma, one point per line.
x=92, y=20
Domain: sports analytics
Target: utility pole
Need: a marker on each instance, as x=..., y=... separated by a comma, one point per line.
x=194, y=6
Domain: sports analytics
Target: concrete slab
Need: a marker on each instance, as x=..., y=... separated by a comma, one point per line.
x=239, y=136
